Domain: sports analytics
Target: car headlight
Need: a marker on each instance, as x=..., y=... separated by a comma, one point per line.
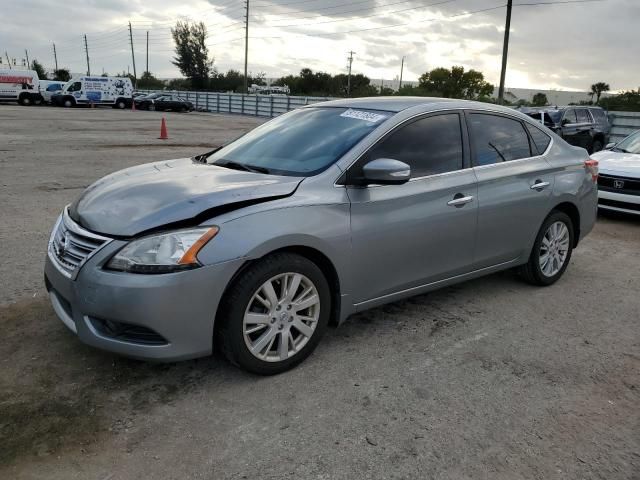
x=164, y=253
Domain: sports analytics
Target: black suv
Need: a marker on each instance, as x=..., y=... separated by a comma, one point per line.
x=583, y=126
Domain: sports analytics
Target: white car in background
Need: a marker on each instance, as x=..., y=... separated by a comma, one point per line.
x=619, y=178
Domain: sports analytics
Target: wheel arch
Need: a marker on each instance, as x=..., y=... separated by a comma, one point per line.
x=574, y=214
x=313, y=254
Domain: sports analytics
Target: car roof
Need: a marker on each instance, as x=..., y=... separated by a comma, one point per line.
x=397, y=104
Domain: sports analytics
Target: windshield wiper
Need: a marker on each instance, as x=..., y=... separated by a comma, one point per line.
x=242, y=166
x=618, y=149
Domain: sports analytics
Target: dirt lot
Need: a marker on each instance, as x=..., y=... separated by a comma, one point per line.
x=491, y=379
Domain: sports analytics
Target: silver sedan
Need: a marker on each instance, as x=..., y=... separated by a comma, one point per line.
x=256, y=247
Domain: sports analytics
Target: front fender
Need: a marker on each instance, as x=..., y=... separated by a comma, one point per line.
x=325, y=228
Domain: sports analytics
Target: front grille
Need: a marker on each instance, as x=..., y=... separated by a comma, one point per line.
x=71, y=245
x=617, y=184
x=605, y=202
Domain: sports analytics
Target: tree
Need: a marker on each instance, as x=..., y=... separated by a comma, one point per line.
x=192, y=54
x=62, y=75
x=539, y=100
x=456, y=83
x=39, y=69
x=624, y=102
x=148, y=82
x=598, y=89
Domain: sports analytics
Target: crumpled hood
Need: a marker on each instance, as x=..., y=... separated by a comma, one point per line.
x=618, y=163
x=149, y=196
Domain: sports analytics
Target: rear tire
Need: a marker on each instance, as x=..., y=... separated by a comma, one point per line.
x=25, y=100
x=120, y=104
x=554, y=243
x=151, y=107
x=274, y=334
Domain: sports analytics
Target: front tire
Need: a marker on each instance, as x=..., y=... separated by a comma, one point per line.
x=551, y=251
x=274, y=314
x=68, y=103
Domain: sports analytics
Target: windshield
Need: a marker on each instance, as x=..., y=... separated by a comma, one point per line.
x=301, y=143
x=631, y=144
x=154, y=95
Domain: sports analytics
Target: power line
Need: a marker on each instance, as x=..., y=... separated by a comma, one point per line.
x=442, y=2
x=473, y=12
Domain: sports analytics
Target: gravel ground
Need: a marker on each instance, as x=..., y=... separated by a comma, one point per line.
x=490, y=379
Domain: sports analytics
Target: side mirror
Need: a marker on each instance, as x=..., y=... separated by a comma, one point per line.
x=386, y=171
x=609, y=146
x=565, y=121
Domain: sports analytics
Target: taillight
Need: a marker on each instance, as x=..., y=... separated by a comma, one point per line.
x=592, y=167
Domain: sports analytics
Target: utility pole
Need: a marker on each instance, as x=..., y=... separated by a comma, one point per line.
x=8, y=60
x=246, y=46
x=55, y=55
x=133, y=58
x=27, y=55
x=401, y=71
x=86, y=50
x=350, y=60
x=505, y=50
x=147, y=70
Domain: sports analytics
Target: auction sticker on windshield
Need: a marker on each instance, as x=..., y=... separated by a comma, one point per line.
x=361, y=115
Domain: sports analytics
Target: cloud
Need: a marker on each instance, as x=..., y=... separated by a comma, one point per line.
x=552, y=46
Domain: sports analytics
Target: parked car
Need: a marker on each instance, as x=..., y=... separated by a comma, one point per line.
x=20, y=86
x=48, y=88
x=163, y=102
x=328, y=210
x=113, y=91
x=619, y=182
x=584, y=126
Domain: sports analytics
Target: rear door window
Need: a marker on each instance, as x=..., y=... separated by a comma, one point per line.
x=430, y=146
x=599, y=116
x=569, y=117
x=497, y=139
x=583, y=116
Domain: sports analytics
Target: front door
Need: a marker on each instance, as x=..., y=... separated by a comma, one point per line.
x=405, y=236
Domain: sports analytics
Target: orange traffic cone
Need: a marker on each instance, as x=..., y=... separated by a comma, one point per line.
x=133, y=105
x=163, y=131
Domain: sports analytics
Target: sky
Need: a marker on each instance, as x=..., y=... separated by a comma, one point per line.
x=553, y=46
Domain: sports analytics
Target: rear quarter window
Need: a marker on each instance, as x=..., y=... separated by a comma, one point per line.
x=540, y=139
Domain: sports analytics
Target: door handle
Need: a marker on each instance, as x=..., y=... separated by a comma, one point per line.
x=459, y=200
x=539, y=185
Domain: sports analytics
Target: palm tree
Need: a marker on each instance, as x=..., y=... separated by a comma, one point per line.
x=597, y=89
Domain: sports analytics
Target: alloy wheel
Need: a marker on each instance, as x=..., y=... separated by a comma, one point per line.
x=554, y=249
x=281, y=317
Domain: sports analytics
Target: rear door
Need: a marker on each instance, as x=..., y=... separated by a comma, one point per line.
x=584, y=128
x=570, y=127
x=514, y=185
x=422, y=231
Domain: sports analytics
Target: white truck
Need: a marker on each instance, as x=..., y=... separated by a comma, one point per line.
x=21, y=86
x=114, y=91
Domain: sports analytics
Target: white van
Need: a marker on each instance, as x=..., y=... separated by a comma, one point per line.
x=48, y=88
x=21, y=86
x=114, y=91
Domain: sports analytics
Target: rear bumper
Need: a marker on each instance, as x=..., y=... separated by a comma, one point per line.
x=179, y=308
